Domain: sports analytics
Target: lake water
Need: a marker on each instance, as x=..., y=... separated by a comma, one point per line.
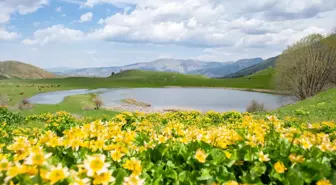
x=203, y=99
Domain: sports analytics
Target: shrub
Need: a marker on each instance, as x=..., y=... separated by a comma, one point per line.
x=98, y=103
x=304, y=69
x=255, y=107
x=9, y=117
x=25, y=104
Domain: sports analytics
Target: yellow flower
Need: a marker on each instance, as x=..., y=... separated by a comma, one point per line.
x=201, y=156
x=296, y=158
x=227, y=154
x=4, y=165
x=14, y=171
x=95, y=165
x=21, y=144
x=133, y=180
x=37, y=157
x=57, y=174
x=231, y=183
x=103, y=178
x=116, y=155
x=280, y=167
x=323, y=182
x=263, y=157
x=133, y=165
x=306, y=144
x=78, y=181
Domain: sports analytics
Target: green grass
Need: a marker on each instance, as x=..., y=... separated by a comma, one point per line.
x=72, y=104
x=136, y=78
x=321, y=107
x=18, y=90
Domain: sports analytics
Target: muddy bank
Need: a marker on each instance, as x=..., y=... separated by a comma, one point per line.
x=132, y=105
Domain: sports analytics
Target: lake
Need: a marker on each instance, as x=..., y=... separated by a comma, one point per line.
x=202, y=99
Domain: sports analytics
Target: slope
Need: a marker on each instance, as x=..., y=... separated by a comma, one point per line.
x=268, y=63
x=220, y=71
x=17, y=69
x=321, y=107
x=140, y=78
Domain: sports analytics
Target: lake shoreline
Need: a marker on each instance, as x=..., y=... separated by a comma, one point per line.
x=269, y=91
x=135, y=108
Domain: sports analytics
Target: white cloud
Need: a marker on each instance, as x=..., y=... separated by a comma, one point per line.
x=210, y=23
x=56, y=33
x=86, y=17
x=214, y=30
x=9, y=7
x=59, y=9
x=79, y=2
x=5, y=35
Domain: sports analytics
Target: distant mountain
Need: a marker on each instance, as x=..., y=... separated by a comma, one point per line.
x=230, y=68
x=60, y=69
x=268, y=63
x=15, y=69
x=210, y=69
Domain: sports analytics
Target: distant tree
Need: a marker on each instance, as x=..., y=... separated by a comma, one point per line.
x=112, y=74
x=97, y=103
x=255, y=106
x=304, y=68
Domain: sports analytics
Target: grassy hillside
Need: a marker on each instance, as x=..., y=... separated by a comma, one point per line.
x=76, y=105
x=321, y=107
x=137, y=78
x=22, y=70
x=269, y=63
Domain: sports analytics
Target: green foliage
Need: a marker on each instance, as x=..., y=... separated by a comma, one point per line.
x=9, y=117
x=181, y=148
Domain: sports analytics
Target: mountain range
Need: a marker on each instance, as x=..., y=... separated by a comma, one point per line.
x=210, y=69
x=268, y=63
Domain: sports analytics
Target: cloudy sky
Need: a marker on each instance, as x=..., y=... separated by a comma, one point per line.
x=87, y=33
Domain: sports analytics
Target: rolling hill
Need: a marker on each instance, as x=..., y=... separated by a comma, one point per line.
x=15, y=69
x=209, y=69
x=268, y=63
x=143, y=78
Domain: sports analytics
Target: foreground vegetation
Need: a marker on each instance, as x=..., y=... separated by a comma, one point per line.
x=321, y=107
x=171, y=148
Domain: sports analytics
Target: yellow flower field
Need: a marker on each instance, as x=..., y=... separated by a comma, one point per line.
x=171, y=148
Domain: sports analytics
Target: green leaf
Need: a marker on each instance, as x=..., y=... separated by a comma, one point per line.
x=205, y=175
x=258, y=170
x=294, y=177
x=170, y=173
x=120, y=174
x=182, y=176
x=158, y=181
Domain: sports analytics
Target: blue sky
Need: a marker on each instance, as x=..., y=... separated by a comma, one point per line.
x=92, y=33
